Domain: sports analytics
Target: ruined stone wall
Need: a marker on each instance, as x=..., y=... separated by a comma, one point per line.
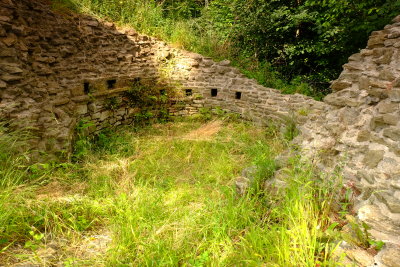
x=57, y=69
x=361, y=131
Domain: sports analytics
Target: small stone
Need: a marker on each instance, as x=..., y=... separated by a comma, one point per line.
x=11, y=68
x=109, y=24
x=396, y=19
x=10, y=78
x=2, y=84
x=391, y=119
x=131, y=32
x=92, y=23
x=81, y=109
x=5, y=18
x=373, y=157
x=392, y=133
x=387, y=74
x=394, y=95
x=391, y=257
x=224, y=63
x=385, y=107
x=361, y=256
x=242, y=185
x=340, y=85
x=9, y=40
x=363, y=136
x=7, y=52
x=376, y=40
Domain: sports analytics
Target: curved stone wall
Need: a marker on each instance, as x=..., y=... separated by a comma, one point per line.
x=57, y=69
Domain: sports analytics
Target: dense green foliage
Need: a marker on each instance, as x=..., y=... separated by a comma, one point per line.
x=281, y=43
x=307, y=37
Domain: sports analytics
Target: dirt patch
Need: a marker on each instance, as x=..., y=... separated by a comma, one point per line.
x=205, y=132
x=57, y=191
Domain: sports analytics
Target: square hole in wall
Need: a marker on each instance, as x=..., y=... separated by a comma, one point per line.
x=111, y=84
x=238, y=95
x=86, y=88
x=214, y=92
x=189, y=92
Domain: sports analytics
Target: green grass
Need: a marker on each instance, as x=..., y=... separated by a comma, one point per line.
x=165, y=195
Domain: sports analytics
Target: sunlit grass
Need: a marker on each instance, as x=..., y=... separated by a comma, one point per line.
x=165, y=195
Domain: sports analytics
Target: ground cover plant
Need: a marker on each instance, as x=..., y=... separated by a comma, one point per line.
x=164, y=195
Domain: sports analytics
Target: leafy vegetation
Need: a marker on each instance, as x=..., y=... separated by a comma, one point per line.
x=292, y=45
x=165, y=195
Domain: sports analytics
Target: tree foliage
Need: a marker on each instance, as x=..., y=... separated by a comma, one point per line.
x=312, y=38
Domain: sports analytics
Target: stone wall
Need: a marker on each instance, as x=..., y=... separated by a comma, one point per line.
x=361, y=131
x=57, y=69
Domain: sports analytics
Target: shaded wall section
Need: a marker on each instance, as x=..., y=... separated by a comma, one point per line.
x=57, y=69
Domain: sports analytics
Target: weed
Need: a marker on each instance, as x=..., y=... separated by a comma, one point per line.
x=111, y=103
x=290, y=130
x=170, y=200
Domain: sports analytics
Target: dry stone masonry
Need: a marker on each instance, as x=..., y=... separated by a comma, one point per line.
x=59, y=69
x=362, y=132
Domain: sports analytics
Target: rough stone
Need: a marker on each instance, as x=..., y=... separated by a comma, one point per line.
x=373, y=157
x=385, y=107
x=363, y=136
x=71, y=66
x=340, y=85
x=392, y=133
x=391, y=119
x=394, y=95
x=2, y=84
x=391, y=257
x=360, y=256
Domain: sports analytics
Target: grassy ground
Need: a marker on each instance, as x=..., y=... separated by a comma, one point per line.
x=165, y=195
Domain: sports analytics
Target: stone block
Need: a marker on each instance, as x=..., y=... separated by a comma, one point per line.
x=392, y=133
x=10, y=78
x=394, y=34
x=363, y=83
x=11, y=68
x=387, y=107
x=363, y=136
x=391, y=119
x=394, y=95
x=391, y=202
x=376, y=40
x=391, y=256
x=340, y=85
x=372, y=158
x=387, y=74
x=105, y=115
x=81, y=109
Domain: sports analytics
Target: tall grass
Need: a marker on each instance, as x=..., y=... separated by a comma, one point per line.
x=13, y=159
x=165, y=194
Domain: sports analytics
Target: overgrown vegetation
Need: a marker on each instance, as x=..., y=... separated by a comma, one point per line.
x=292, y=45
x=164, y=195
